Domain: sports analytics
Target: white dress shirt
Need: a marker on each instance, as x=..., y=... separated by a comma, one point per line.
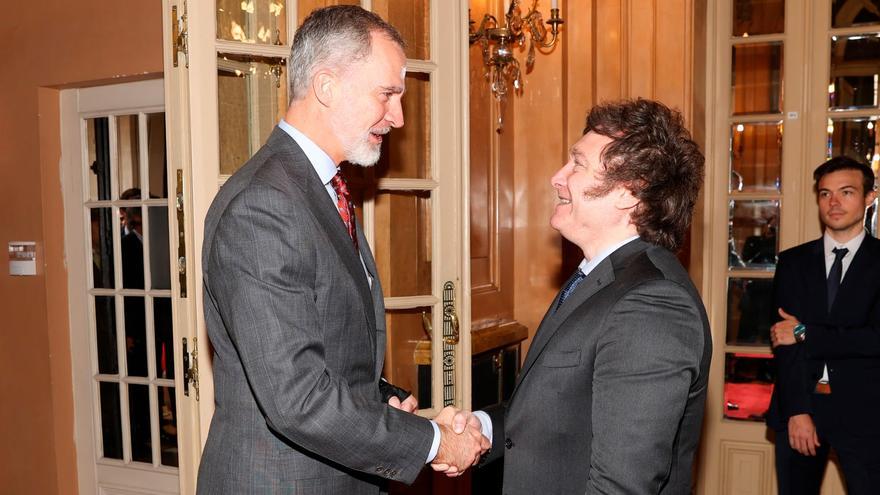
x=829, y=244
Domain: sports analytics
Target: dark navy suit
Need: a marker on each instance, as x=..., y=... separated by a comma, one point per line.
x=847, y=339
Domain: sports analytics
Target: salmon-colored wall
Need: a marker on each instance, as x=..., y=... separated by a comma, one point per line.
x=46, y=45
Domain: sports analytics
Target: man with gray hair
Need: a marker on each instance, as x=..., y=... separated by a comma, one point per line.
x=293, y=304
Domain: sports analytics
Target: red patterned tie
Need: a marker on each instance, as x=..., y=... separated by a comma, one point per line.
x=345, y=206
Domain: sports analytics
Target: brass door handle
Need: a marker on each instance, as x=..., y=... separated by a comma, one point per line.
x=454, y=338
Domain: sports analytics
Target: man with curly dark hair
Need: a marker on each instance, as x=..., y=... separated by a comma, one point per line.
x=611, y=394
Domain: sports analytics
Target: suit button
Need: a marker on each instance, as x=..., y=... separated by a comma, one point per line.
x=508, y=444
x=380, y=469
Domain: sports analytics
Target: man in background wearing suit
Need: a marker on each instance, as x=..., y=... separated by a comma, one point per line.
x=827, y=344
x=292, y=302
x=610, y=398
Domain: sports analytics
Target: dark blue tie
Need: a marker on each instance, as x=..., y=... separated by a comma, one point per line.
x=834, y=274
x=572, y=284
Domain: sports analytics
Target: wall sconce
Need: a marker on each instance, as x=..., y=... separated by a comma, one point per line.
x=498, y=42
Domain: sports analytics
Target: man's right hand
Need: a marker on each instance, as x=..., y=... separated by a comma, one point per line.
x=802, y=434
x=461, y=442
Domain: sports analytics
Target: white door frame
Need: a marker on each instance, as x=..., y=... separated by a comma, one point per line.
x=101, y=475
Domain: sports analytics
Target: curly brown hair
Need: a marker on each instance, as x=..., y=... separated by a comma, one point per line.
x=653, y=156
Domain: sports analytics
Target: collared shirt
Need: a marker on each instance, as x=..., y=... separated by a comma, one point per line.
x=852, y=245
x=324, y=166
x=829, y=244
x=587, y=266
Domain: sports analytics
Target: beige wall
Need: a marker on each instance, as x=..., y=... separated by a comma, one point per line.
x=45, y=45
x=610, y=49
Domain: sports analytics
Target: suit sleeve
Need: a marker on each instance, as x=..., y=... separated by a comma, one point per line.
x=791, y=364
x=646, y=362
x=496, y=414
x=261, y=276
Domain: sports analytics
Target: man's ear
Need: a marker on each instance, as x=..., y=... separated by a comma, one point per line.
x=870, y=197
x=324, y=86
x=625, y=200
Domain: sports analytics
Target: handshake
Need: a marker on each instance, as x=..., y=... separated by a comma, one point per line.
x=462, y=442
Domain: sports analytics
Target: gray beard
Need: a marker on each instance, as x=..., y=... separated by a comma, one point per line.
x=362, y=153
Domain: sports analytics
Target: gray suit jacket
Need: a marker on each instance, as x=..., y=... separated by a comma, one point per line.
x=611, y=395
x=299, y=341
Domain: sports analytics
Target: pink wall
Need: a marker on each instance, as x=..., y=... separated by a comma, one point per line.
x=46, y=45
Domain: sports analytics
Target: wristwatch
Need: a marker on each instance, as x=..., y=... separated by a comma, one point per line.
x=800, y=332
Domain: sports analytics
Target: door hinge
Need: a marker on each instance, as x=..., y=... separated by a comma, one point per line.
x=179, y=35
x=191, y=367
x=181, y=235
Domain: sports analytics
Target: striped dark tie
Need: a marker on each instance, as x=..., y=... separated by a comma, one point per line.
x=572, y=284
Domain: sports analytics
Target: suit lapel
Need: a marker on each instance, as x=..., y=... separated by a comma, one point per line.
x=600, y=277
x=859, y=268
x=377, y=338
x=301, y=171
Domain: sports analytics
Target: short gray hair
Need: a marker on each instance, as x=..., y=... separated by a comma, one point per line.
x=333, y=37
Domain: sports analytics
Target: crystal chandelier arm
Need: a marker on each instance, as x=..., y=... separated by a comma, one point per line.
x=488, y=22
x=538, y=32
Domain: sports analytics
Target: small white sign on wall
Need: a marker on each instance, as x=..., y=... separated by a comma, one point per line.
x=22, y=258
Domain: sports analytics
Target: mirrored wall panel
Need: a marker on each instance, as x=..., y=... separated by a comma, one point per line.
x=751, y=17
x=251, y=100
x=750, y=311
x=748, y=385
x=403, y=251
x=849, y=13
x=252, y=21
x=411, y=18
x=406, y=151
x=756, y=75
x=408, y=358
x=753, y=242
x=855, y=70
x=855, y=138
x=755, y=156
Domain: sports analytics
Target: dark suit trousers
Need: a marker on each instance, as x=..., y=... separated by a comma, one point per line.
x=802, y=475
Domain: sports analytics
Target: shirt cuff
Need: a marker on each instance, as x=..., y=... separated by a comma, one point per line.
x=485, y=424
x=435, y=444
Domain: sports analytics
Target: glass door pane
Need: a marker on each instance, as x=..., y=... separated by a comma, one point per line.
x=130, y=298
x=252, y=21
x=251, y=100
x=410, y=17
